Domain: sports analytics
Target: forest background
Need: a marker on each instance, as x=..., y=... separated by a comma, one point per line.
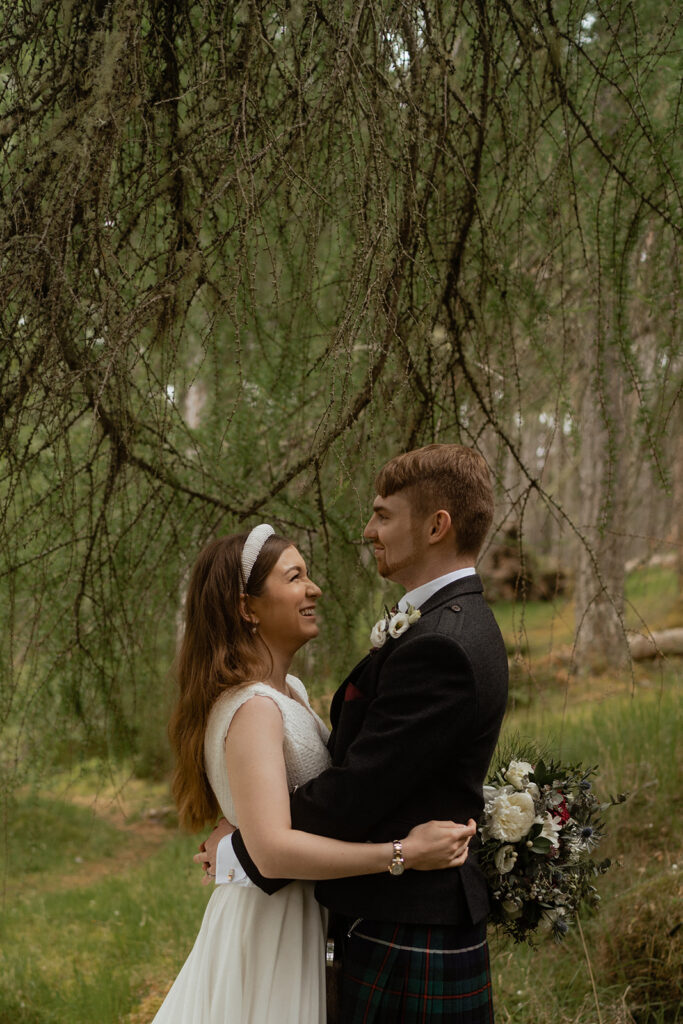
x=251, y=250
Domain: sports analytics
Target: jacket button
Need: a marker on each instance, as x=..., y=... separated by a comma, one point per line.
x=456, y=608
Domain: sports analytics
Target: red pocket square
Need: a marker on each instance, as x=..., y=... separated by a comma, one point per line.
x=353, y=693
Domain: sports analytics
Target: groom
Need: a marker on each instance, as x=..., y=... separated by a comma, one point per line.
x=414, y=727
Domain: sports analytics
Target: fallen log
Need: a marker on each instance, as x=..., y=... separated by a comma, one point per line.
x=654, y=645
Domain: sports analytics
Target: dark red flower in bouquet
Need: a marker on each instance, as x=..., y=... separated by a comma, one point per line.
x=561, y=811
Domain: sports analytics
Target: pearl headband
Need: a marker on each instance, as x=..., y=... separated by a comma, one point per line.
x=252, y=549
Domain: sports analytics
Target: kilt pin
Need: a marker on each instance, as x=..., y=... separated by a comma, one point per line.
x=414, y=727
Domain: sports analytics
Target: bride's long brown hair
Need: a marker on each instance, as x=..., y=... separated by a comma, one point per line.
x=218, y=650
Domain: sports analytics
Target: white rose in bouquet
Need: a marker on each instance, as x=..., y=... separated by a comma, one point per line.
x=510, y=816
x=517, y=773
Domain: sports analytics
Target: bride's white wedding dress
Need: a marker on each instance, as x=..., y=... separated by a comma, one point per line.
x=257, y=959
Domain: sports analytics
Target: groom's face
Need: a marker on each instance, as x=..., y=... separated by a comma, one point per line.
x=397, y=536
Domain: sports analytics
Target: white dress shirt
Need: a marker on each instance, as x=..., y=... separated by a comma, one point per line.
x=228, y=867
x=420, y=595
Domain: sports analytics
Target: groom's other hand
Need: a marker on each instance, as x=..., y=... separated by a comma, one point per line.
x=206, y=857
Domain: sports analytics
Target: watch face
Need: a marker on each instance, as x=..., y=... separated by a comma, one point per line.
x=397, y=867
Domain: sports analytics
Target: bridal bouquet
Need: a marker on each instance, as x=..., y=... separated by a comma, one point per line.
x=540, y=827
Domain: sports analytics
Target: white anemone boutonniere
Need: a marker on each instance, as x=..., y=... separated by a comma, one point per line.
x=393, y=625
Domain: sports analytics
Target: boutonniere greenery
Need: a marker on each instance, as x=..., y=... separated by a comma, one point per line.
x=393, y=625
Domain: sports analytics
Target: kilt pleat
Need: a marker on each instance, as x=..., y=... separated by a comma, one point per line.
x=416, y=974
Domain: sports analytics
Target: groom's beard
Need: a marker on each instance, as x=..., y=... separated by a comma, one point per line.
x=388, y=568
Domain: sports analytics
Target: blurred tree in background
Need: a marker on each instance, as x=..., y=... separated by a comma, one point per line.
x=250, y=250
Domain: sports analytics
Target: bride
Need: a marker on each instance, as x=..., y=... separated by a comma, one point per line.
x=244, y=736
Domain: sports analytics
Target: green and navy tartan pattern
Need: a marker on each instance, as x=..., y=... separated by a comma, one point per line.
x=413, y=974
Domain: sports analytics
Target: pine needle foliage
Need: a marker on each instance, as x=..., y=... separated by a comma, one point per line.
x=248, y=250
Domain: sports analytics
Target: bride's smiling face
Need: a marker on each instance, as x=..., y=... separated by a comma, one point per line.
x=285, y=610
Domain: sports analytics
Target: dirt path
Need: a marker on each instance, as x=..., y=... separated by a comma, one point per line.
x=143, y=843
x=141, y=838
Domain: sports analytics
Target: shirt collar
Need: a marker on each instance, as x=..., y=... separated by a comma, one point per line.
x=419, y=595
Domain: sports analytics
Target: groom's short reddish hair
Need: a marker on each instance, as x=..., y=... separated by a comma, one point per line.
x=448, y=476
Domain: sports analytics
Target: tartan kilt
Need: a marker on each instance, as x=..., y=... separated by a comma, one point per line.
x=410, y=974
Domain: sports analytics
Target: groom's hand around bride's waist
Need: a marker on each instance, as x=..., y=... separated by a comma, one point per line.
x=206, y=858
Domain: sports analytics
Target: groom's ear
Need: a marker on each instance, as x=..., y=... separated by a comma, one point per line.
x=439, y=526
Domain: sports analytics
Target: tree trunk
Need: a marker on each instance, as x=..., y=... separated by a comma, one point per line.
x=678, y=502
x=599, y=595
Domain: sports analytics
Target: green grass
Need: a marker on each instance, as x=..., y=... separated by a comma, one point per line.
x=535, y=628
x=46, y=830
x=91, y=954
x=651, y=595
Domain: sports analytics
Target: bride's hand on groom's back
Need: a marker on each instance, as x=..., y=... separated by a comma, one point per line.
x=438, y=844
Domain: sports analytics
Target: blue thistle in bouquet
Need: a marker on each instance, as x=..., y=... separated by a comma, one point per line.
x=541, y=824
